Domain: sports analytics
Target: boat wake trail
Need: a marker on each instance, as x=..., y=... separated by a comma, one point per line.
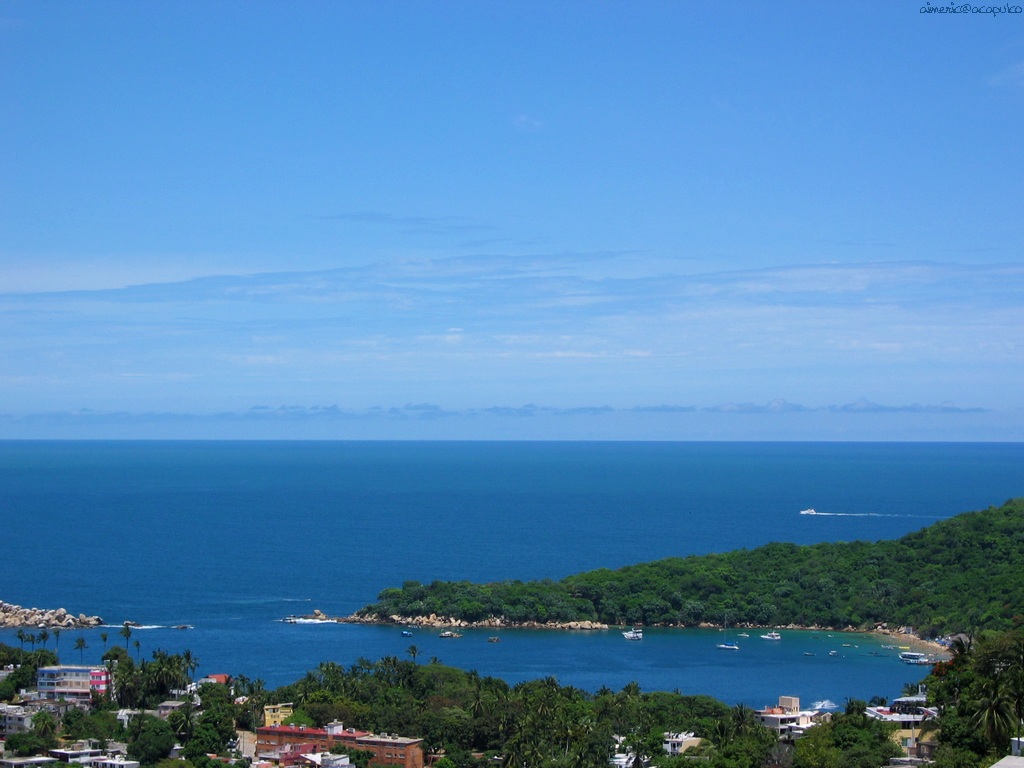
x=871, y=514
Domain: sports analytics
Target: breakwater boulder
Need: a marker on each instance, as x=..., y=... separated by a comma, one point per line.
x=13, y=616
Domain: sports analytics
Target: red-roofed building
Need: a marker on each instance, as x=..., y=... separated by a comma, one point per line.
x=272, y=738
x=220, y=679
x=388, y=749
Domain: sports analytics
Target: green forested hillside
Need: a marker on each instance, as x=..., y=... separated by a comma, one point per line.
x=961, y=573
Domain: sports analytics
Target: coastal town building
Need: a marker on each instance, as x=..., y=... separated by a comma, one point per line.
x=35, y=761
x=908, y=714
x=88, y=754
x=271, y=739
x=218, y=679
x=82, y=755
x=284, y=744
x=124, y=716
x=392, y=749
x=291, y=754
x=165, y=708
x=72, y=683
x=329, y=760
x=623, y=760
x=677, y=743
x=787, y=720
x=276, y=714
x=674, y=745
x=117, y=761
x=15, y=718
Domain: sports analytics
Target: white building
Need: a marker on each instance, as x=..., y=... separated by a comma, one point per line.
x=787, y=720
x=115, y=762
x=72, y=683
x=908, y=714
x=15, y=719
x=677, y=743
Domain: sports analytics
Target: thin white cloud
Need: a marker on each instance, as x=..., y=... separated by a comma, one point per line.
x=1011, y=77
x=523, y=326
x=528, y=123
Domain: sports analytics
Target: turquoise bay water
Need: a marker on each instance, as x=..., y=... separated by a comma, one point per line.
x=231, y=537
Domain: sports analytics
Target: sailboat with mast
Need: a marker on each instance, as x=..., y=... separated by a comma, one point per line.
x=727, y=644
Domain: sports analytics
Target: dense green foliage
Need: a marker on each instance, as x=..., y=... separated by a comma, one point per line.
x=150, y=739
x=964, y=572
x=979, y=693
x=26, y=663
x=850, y=740
x=145, y=684
x=540, y=723
x=203, y=727
x=534, y=723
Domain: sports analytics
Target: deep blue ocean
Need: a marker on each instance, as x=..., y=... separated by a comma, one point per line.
x=231, y=537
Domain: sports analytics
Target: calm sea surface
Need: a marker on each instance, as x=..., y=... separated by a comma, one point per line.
x=231, y=537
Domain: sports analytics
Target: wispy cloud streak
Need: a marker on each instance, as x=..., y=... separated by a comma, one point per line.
x=514, y=322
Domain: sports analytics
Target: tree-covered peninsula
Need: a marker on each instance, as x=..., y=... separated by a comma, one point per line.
x=966, y=572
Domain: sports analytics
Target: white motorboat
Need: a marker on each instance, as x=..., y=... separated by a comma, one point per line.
x=913, y=657
x=633, y=634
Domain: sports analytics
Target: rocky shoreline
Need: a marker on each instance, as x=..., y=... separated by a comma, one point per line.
x=443, y=622
x=14, y=616
x=434, y=621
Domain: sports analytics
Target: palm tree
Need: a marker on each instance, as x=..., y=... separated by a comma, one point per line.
x=103, y=637
x=257, y=698
x=44, y=726
x=993, y=714
x=32, y=639
x=138, y=651
x=414, y=652
x=183, y=720
x=743, y=719
x=478, y=700
x=722, y=731
x=22, y=637
x=126, y=633
x=165, y=673
x=855, y=707
x=44, y=635
x=56, y=639
x=1015, y=670
x=191, y=664
x=80, y=646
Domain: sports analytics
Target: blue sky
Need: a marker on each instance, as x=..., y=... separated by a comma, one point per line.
x=600, y=220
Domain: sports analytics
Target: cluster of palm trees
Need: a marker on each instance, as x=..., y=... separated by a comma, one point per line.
x=41, y=637
x=44, y=635
x=150, y=681
x=253, y=695
x=538, y=722
x=982, y=685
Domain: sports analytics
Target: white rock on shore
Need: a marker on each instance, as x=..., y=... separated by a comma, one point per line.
x=13, y=616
